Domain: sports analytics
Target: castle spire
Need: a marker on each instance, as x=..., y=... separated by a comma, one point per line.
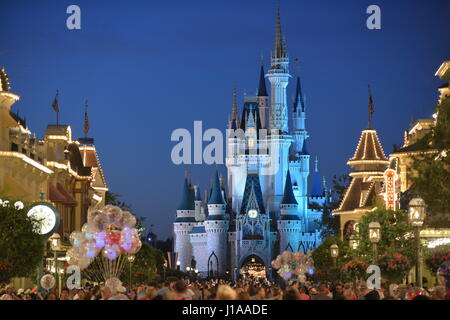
x=234, y=109
x=216, y=194
x=279, y=50
x=288, y=197
x=187, y=201
x=262, y=91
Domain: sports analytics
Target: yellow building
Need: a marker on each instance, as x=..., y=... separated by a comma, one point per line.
x=57, y=168
x=366, y=185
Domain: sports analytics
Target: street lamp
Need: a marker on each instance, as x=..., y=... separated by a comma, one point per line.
x=374, y=237
x=164, y=269
x=55, y=244
x=353, y=242
x=178, y=265
x=416, y=215
x=131, y=259
x=334, y=252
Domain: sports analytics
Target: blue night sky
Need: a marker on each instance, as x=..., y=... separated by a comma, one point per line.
x=149, y=67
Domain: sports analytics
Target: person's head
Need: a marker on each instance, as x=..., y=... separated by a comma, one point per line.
x=151, y=293
x=338, y=289
x=169, y=295
x=81, y=294
x=50, y=296
x=180, y=286
x=64, y=294
x=302, y=290
x=106, y=293
x=225, y=292
x=322, y=288
x=275, y=292
x=243, y=295
x=439, y=293
x=372, y=295
x=253, y=290
x=291, y=293
x=10, y=290
x=132, y=294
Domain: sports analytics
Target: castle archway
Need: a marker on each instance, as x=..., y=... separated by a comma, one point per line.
x=253, y=267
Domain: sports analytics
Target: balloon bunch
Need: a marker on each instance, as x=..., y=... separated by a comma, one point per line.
x=48, y=281
x=293, y=265
x=110, y=232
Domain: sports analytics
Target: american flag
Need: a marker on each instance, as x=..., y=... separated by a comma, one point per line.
x=55, y=102
x=86, y=120
x=371, y=106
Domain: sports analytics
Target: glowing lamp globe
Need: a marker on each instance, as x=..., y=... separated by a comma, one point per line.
x=416, y=212
x=374, y=232
x=334, y=251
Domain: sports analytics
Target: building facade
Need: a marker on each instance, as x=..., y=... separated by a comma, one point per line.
x=263, y=208
x=57, y=168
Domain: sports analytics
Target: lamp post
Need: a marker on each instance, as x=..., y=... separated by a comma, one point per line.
x=334, y=252
x=178, y=265
x=164, y=269
x=353, y=242
x=374, y=237
x=55, y=244
x=416, y=215
x=131, y=258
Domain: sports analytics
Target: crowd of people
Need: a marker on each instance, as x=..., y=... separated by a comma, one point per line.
x=175, y=289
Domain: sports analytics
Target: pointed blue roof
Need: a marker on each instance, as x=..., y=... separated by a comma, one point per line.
x=288, y=197
x=187, y=199
x=299, y=97
x=252, y=194
x=262, y=91
x=216, y=193
x=304, y=148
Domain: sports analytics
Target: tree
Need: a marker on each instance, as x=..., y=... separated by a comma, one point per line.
x=430, y=170
x=21, y=248
x=113, y=199
x=396, y=235
x=148, y=261
x=329, y=223
x=323, y=262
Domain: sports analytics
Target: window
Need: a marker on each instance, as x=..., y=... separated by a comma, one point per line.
x=14, y=147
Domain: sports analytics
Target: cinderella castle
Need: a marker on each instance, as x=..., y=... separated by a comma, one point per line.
x=265, y=207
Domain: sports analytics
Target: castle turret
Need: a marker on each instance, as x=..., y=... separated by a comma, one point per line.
x=182, y=226
x=289, y=223
x=299, y=118
x=280, y=140
x=262, y=99
x=279, y=77
x=199, y=214
x=216, y=227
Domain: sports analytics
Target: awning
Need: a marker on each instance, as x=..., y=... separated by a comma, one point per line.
x=59, y=194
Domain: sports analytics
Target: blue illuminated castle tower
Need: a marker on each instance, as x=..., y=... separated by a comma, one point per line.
x=266, y=207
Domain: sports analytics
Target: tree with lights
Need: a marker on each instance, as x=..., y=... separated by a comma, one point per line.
x=430, y=171
x=21, y=248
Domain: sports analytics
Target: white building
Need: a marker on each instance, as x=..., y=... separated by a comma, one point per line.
x=264, y=209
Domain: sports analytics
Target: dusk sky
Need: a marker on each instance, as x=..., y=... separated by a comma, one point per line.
x=150, y=67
